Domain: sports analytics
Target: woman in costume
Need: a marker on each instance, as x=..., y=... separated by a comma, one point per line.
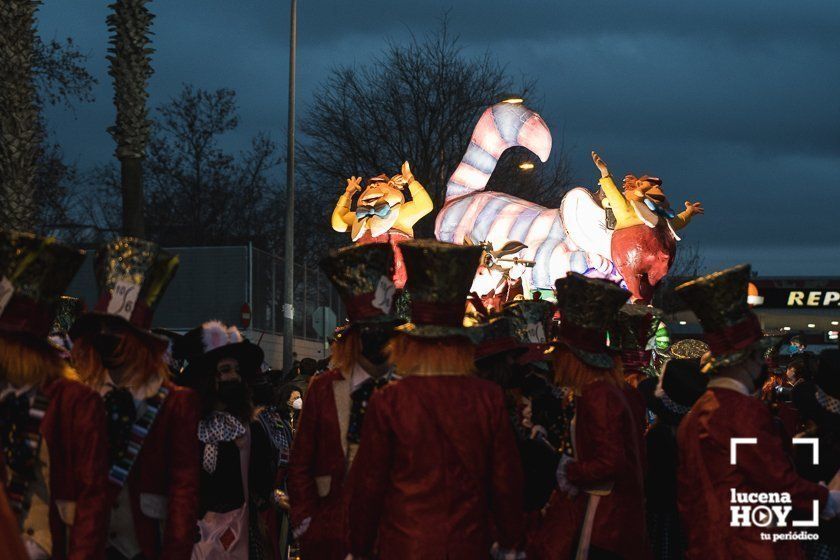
x=238, y=465
x=151, y=422
x=598, y=507
x=432, y=479
x=52, y=428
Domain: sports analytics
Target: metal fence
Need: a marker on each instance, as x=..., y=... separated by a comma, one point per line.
x=215, y=282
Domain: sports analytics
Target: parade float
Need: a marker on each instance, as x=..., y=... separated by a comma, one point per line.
x=635, y=252
x=382, y=214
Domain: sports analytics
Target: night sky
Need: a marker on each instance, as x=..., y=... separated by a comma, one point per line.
x=735, y=104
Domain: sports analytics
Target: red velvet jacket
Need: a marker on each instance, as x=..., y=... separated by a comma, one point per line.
x=164, y=481
x=609, y=450
x=317, y=467
x=705, y=477
x=437, y=467
x=76, y=436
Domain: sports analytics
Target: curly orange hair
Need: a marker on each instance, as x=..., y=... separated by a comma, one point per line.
x=144, y=361
x=412, y=355
x=28, y=361
x=570, y=371
x=345, y=350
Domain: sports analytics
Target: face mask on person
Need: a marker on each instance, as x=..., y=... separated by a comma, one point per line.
x=106, y=345
x=297, y=404
x=233, y=394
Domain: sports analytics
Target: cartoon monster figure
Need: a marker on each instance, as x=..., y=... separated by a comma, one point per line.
x=644, y=241
x=572, y=238
x=382, y=213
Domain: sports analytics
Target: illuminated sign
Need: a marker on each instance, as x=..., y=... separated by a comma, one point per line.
x=816, y=298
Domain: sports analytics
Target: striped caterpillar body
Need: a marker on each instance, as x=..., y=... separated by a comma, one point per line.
x=573, y=237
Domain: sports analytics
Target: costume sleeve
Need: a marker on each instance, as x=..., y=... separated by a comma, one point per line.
x=617, y=201
x=368, y=477
x=599, y=414
x=90, y=449
x=180, y=531
x=303, y=493
x=419, y=205
x=766, y=465
x=506, y=491
x=342, y=217
x=681, y=220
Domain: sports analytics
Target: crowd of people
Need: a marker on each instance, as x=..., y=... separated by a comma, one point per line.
x=536, y=430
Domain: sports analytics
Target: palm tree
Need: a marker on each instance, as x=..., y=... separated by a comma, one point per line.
x=19, y=130
x=131, y=68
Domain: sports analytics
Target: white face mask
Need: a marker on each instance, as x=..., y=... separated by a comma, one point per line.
x=297, y=404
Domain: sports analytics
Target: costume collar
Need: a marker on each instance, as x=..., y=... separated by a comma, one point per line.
x=145, y=391
x=9, y=389
x=729, y=383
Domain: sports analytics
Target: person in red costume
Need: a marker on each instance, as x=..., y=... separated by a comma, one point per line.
x=708, y=474
x=437, y=474
x=633, y=335
x=598, y=508
x=152, y=424
x=329, y=428
x=52, y=428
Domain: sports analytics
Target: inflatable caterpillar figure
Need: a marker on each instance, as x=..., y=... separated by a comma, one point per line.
x=573, y=237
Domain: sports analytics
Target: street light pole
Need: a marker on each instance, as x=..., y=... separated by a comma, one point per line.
x=289, y=253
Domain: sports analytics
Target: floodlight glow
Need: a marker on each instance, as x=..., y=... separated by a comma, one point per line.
x=526, y=166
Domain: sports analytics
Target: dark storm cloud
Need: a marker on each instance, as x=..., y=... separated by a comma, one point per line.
x=732, y=103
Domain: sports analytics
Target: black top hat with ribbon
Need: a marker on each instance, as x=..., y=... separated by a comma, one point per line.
x=534, y=316
x=819, y=399
x=634, y=328
x=499, y=334
x=731, y=329
x=363, y=274
x=132, y=275
x=673, y=394
x=203, y=347
x=439, y=278
x=588, y=307
x=34, y=272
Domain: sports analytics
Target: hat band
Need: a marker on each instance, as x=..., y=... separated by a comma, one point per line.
x=735, y=337
x=582, y=338
x=444, y=314
x=141, y=314
x=635, y=359
x=24, y=314
x=828, y=402
x=672, y=406
x=360, y=307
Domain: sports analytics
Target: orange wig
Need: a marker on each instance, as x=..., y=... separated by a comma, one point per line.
x=453, y=355
x=142, y=358
x=571, y=371
x=28, y=361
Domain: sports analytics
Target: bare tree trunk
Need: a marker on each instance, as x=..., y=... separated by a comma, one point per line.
x=19, y=130
x=132, y=195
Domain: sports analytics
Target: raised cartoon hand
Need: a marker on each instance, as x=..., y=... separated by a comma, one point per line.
x=601, y=165
x=354, y=185
x=694, y=208
x=406, y=173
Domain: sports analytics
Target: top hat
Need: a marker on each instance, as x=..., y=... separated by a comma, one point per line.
x=535, y=317
x=34, y=272
x=499, y=334
x=439, y=278
x=674, y=393
x=819, y=400
x=731, y=329
x=634, y=327
x=588, y=306
x=205, y=345
x=362, y=274
x=689, y=348
x=68, y=309
x=132, y=275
